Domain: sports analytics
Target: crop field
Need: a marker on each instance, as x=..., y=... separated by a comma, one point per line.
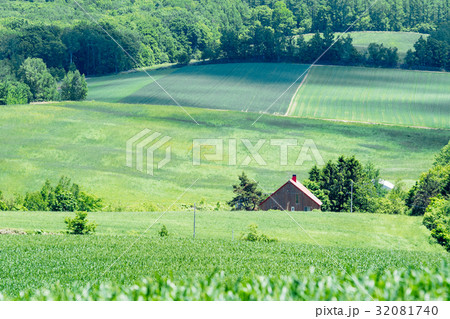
x=249, y=87
x=30, y=262
x=87, y=142
x=112, y=88
x=388, y=96
x=375, y=95
x=403, y=41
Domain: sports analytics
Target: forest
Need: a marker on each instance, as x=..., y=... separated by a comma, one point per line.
x=77, y=35
x=155, y=32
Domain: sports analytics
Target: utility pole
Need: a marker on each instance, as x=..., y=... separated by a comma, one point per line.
x=194, y=219
x=351, y=199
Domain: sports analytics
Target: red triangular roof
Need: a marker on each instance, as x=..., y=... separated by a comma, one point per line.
x=302, y=188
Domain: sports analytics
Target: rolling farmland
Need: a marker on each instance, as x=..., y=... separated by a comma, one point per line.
x=375, y=95
x=29, y=262
x=86, y=142
x=249, y=87
x=410, y=98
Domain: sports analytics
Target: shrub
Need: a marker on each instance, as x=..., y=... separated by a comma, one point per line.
x=3, y=205
x=437, y=220
x=253, y=234
x=385, y=205
x=35, y=202
x=74, y=87
x=65, y=197
x=79, y=225
x=163, y=232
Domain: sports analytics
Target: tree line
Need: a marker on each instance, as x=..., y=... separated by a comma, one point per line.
x=33, y=82
x=384, y=15
x=433, y=52
x=155, y=32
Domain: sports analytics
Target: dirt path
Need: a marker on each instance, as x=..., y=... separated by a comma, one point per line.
x=292, y=104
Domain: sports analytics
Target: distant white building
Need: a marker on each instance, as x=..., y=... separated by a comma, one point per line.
x=386, y=185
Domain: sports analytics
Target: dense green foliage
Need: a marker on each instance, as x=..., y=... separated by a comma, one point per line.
x=79, y=225
x=433, y=52
x=34, y=73
x=434, y=182
x=437, y=220
x=154, y=32
x=14, y=92
x=86, y=141
x=64, y=197
x=74, y=87
x=247, y=194
x=346, y=185
x=396, y=285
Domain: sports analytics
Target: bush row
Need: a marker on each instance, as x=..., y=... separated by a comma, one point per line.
x=65, y=197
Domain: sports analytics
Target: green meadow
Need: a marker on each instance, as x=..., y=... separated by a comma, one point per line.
x=87, y=142
x=388, y=96
x=329, y=243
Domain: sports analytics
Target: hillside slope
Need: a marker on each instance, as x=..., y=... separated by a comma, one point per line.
x=375, y=95
x=389, y=96
x=86, y=141
x=249, y=87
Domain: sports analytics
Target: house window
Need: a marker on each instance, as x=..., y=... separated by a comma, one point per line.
x=307, y=209
x=296, y=198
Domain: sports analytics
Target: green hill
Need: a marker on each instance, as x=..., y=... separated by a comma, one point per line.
x=346, y=93
x=249, y=87
x=86, y=141
x=375, y=95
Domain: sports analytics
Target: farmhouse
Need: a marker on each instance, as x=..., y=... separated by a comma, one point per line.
x=292, y=196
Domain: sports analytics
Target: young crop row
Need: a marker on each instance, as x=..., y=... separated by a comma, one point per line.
x=404, y=285
x=30, y=262
x=374, y=95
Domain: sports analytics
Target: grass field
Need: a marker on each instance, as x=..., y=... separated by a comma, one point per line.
x=375, y=95
x=86, y=142
x=29, y=262
x=391, y=232
x=403, y=41
x=249, y=87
